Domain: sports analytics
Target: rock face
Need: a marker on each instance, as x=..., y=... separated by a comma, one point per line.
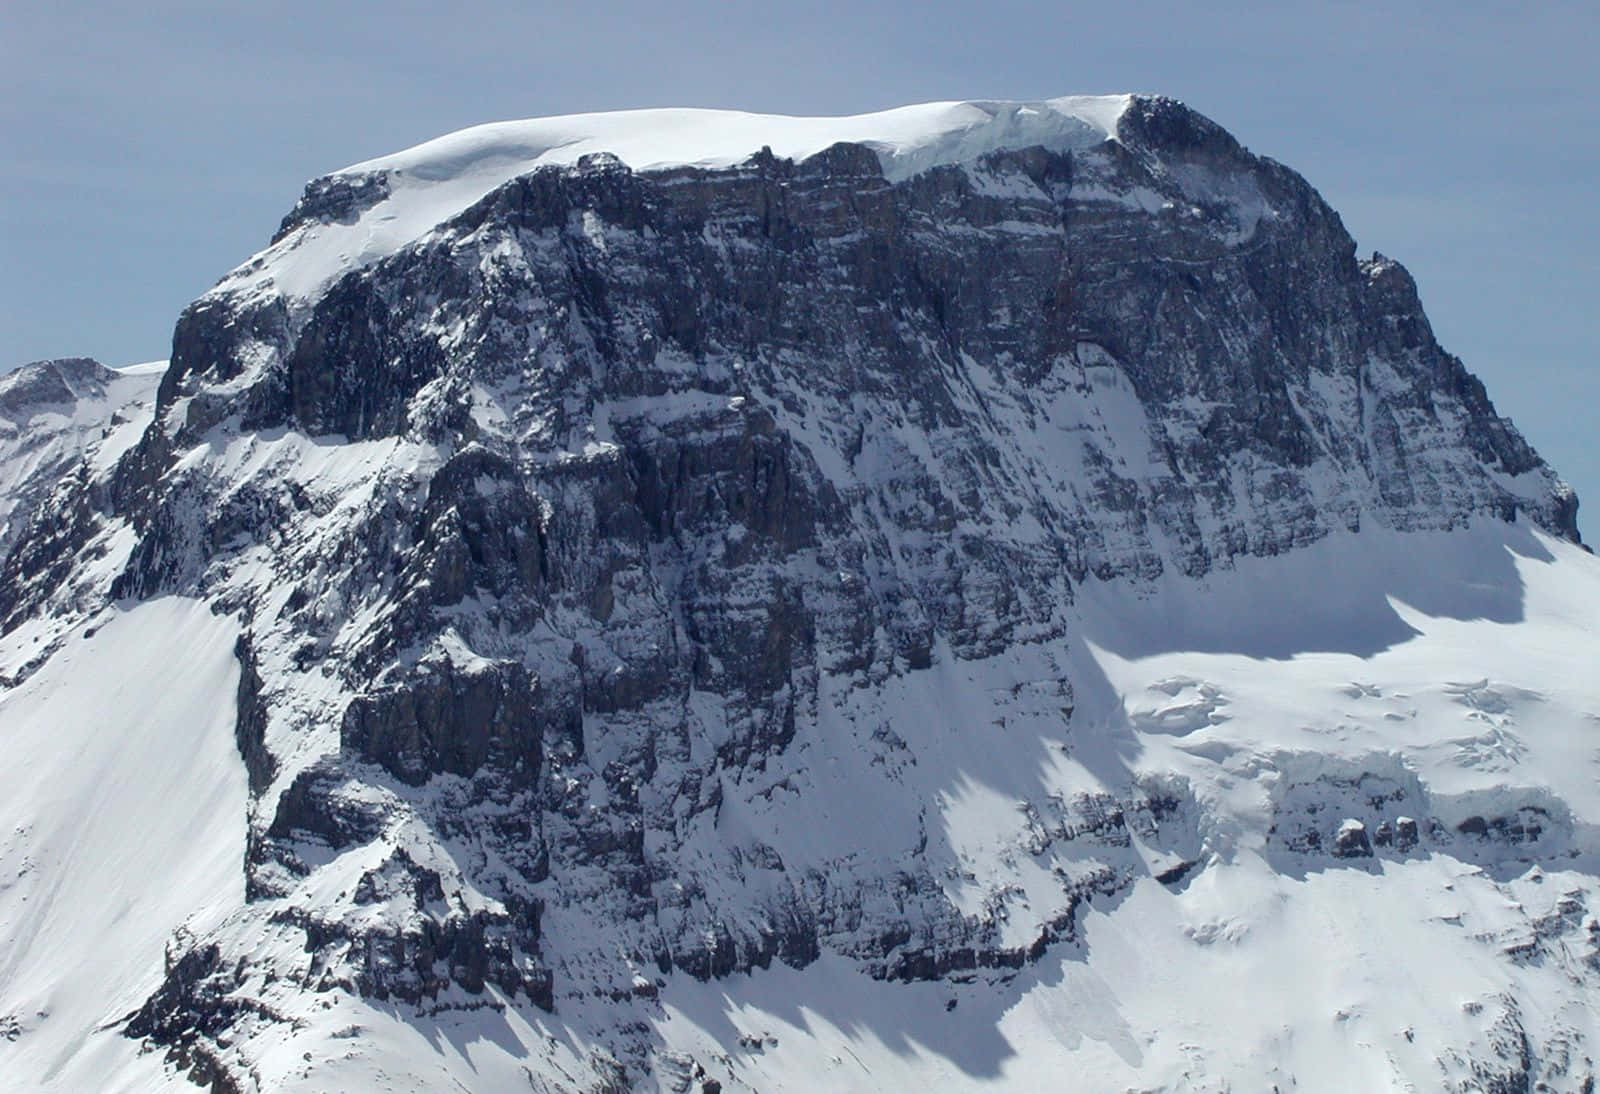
x=572, y=541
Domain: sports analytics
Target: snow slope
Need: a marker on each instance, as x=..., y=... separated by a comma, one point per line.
x=122, y=806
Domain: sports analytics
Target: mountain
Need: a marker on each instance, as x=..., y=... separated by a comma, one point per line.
x=970, y=595
x=51, y=414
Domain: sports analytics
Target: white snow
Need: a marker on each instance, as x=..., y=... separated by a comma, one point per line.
x=435, y=180
x=908, y=139
x=1327, y=977
x=1458, y=664
x=122, y=818
x=143, y=368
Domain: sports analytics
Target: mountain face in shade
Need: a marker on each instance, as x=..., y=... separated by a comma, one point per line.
x=695, y=600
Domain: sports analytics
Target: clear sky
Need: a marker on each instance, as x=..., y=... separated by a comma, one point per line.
x=146, y=148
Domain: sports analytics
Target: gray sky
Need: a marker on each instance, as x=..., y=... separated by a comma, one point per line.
x=149, y=147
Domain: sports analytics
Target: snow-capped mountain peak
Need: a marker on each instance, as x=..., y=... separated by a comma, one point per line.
x=702, y=601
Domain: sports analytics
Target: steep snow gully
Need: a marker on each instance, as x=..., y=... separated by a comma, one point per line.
x=976, y=595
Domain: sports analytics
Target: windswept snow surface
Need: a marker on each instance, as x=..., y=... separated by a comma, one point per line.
x=122, y=820
x=143, y=368
x=908, y=139
x=434, y=181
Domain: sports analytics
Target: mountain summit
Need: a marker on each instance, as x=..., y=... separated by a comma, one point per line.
x=694, y=600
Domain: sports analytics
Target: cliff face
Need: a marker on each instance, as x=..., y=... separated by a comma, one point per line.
x=628, y=569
